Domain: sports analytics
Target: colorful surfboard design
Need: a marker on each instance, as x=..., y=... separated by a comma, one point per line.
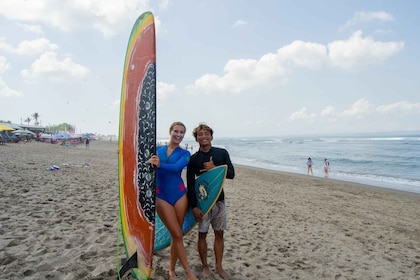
x=137, y=142
x=208, y=187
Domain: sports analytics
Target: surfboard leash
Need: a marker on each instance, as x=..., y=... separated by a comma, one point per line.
x=119, y=233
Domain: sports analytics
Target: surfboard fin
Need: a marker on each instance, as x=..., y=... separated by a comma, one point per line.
x=128, y=265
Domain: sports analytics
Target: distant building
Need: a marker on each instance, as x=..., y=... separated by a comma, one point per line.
x=33, y=128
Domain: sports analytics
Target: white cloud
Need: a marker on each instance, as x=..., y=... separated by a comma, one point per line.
x=106, y=16
x=328, y=113
x=239, y=23
x=164, y=4
x=165, y=90
x=5, y=46
x=49, y=66
x=5, y=91
x=363, y=17
x=246, y=74
x=358, y=51
x=158, y=26
x=402, y=107
x=273, y=68
x=303, y=54
x=31, y=28
x=29, y=47
x=301, y=115
x=115, y=105
x=359, y=109
x=4, y=65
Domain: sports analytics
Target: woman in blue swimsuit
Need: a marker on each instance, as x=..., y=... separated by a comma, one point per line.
x=171, y=198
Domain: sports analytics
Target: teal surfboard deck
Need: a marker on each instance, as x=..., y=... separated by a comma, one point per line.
x=208, y=187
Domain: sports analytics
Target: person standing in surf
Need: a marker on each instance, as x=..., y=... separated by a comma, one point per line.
x=171, y=194
x=309, y=164
x=206, y=158
x=326, y=168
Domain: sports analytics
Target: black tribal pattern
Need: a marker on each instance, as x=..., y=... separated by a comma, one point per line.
x=147, y=144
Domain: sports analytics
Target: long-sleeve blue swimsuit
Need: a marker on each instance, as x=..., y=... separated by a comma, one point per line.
x=169, y=184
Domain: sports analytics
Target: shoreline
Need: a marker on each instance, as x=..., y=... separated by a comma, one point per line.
x=64, y=224
x=338, y=181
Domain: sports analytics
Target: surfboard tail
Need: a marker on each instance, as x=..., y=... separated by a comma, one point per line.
x=128, y=265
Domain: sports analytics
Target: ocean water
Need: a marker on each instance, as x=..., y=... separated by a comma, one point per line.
x=389, y=161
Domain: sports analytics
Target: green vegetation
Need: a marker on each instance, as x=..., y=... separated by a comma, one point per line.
x=60, y=127
x=35, y=117
x=50, y=128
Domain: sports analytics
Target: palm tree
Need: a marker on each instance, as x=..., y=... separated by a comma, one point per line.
x=36, y=117
x=28, y=120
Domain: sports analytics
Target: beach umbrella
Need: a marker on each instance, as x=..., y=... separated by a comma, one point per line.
x=23, y=132
x=5, y=127
x=63, y=136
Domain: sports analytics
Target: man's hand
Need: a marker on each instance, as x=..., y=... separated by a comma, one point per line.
x=208, y=165
x=198, y=215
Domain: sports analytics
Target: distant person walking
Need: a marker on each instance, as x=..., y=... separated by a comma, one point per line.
x=309, y=164
x=326, y=168
x=87, y=143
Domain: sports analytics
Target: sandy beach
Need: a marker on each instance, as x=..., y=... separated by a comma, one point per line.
x=63, y=224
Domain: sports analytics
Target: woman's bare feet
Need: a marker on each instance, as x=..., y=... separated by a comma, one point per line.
x=190, y=275
x=172, y=275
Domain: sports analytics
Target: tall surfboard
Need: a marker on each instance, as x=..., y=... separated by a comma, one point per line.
x=137, y=142
x=208, y=187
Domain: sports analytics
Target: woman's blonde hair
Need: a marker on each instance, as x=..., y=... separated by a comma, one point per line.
x=175, y=124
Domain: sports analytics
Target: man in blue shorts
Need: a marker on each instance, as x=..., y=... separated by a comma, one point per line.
x=206, y=158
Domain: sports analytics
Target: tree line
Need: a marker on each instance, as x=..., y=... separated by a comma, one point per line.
x=51, y=128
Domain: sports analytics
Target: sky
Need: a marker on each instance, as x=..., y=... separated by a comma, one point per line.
x=246, y=68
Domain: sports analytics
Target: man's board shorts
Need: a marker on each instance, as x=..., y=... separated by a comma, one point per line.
x=216, y=218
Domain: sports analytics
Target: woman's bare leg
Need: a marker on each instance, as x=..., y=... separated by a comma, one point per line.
x=173, y=218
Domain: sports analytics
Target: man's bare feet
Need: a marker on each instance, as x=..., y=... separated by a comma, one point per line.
x=222, y=273
x=205, y=271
